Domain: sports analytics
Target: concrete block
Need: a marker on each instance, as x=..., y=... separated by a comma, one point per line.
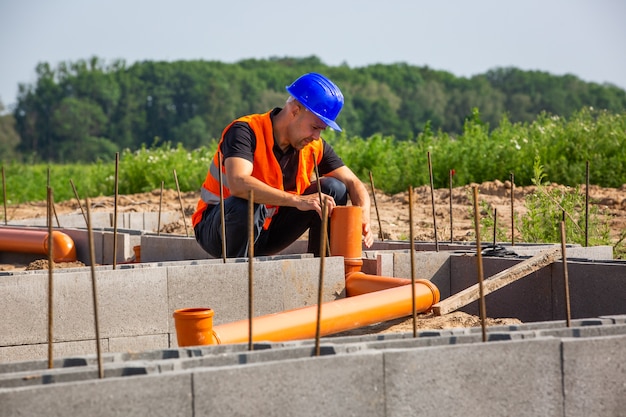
x=152, y=223
x=334, y=386
x=594, y=376
x=278, y=285
x=592, y=289
x=29, y=352
x=131, y=303
x=520, y=378
x=170, y=248
x=377, y=263
x=152, y=395
x=138, y=343
x=528, y=299
x=584, y=331
x=433, y=266
x=124, y=247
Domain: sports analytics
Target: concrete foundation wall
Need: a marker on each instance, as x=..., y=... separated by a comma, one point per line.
x=136, y=302
x=521, y=371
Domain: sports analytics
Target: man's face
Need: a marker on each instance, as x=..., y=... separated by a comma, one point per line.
x=306, y=128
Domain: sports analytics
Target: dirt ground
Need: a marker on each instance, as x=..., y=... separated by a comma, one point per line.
x=393, y=211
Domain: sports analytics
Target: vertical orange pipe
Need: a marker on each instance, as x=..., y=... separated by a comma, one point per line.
x=345, y=236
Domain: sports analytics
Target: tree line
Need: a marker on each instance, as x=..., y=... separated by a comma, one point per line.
x=90, y=109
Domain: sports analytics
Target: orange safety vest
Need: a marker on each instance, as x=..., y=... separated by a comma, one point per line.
x=265, y=167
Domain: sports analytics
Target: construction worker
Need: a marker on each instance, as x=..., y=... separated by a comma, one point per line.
x=272, y=155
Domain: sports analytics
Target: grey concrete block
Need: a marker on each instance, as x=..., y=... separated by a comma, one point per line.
x=124, y=247
x=528, y=298
x=170, y=248
x=520, y=378
x=594, y=376
x=433, y=266
x=138, y=343
x=334, y=386
x=29, y=352
x=584, y=331
x=159, y=395
x=592, y=289
x=131, y=303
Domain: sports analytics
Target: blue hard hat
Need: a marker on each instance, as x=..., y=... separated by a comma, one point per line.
x=319, y=95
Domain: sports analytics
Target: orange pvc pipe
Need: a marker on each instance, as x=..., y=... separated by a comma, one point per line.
x=345, y=232
x=358, y=283
x=337, y=316
x=23, y=240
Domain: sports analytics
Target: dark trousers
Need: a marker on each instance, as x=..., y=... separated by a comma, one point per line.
x=287, y=225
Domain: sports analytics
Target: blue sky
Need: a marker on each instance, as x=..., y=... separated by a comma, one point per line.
x=586, y=38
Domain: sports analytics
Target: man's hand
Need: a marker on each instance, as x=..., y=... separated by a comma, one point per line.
x=312, y=202
x=368, y=236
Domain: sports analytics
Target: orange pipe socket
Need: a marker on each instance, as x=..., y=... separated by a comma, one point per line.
x=345, y=236
x=337, y=316
x=194, y=327
x=23, y=240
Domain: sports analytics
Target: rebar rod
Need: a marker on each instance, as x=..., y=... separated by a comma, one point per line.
x=250, y=266
x=432, y=199
x=381, y=235
x=451, y=221
x=50, y=280
x=319, y=193
x=160, y=208
x=94, y=289
x=4, y=196
x=479, y=258
x=320, y=285
x=117, y=164
x=587, y=204
x=53, y=208
x=412, y=250
x=568, y=314
x=180, y=200
x=512, y=209
x=222, y=210
x=80, y=205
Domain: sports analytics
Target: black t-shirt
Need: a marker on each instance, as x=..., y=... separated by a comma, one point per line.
x=240, y=141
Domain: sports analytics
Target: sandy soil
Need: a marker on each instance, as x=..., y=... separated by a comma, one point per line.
x=394, y=222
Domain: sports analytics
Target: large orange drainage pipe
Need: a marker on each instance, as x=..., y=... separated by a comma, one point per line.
x=337, y=316
x=24, y=240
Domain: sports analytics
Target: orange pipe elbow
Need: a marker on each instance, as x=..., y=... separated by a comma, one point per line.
x=336, y=316
x=358, y=283
x=35, y=241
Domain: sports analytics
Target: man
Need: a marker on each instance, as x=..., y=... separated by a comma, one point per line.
x=272, y=155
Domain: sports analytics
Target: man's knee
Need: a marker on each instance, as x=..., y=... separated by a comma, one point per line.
x=336, y=189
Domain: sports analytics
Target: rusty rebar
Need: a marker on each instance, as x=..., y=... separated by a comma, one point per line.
x=160, y=207
x=250, y=266
x=222, y=210
x=94, y=290
x=451, y=221
x=78, y=201
x=512, y=209
x=4, y=196
x=50, y=279
x=53, y=208
x=381, y=235
x=479, y=258
x=180, y=200
x=568, y=314
x=320, y=287
x=432, y=199
x=319, y=194
x=412, y=250
x=587, y=204
x=116, y=188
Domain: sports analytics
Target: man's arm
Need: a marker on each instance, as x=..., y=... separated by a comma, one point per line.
x=241, y=181
x=358, y=196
